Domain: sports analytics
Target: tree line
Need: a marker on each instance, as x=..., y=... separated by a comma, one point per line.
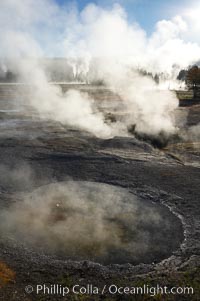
x=191, y=78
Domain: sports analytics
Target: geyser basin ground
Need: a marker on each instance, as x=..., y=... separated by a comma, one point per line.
x=93, y=221
x=34, y=152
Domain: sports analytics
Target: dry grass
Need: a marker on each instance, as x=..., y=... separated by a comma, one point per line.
x=6, y=274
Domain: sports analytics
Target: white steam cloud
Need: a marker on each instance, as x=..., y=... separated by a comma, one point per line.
x=101, y=44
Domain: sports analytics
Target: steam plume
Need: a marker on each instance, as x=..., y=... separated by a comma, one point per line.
x=109, y=48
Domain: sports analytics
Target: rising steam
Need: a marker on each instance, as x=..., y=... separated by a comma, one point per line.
x=100, y=44
x=82, y=220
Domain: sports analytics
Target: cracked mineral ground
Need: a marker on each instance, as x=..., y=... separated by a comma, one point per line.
x=75, y=209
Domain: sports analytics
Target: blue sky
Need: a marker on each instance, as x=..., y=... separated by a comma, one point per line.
x=145, y=12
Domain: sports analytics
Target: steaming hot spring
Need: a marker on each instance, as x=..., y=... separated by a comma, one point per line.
x=92, y=221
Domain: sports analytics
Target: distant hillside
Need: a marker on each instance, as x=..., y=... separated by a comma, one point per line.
x=56, y=69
